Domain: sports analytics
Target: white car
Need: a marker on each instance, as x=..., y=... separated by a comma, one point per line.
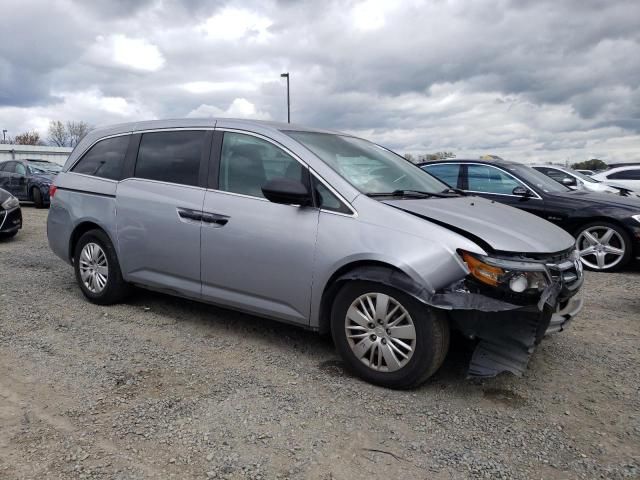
x=626, y=177
x=578, y=181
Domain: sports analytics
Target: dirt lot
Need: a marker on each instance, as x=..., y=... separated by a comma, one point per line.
x=162, y=387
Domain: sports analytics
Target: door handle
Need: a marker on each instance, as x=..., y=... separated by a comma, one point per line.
x=214, y=219
x=187, y=214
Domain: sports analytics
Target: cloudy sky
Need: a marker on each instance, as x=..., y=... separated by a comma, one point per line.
x=527, y=80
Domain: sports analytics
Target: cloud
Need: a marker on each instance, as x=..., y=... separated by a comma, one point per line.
x=239, y=108
x=122, y=51
x=534, y=81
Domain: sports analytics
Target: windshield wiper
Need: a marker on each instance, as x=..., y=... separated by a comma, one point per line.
x=455, y=190
x=407, y=193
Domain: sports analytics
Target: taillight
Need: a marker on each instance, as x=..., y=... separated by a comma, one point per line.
x=52, y=190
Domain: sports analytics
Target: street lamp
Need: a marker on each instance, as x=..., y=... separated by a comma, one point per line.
x=286, y=75
x=4, y=136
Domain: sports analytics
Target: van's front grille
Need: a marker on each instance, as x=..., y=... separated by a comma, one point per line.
x=568, y=272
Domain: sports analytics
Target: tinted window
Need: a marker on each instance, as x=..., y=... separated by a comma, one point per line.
x=171, y=156
x=327, y=200
x=483, y=178
x=447, y=172
x=104, y=159
x=247, y=163
x=8, y=167
x=625, y=175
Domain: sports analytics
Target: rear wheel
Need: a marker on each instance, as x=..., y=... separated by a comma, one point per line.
x=603, y=247
x=36, y=194
x=97, y=269
x=386, y=336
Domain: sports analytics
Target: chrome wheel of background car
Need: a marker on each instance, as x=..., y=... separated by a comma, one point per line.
x=94, y=269
x=380, y=332
x=600, y=247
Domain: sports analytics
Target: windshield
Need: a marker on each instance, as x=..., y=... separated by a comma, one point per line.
x=42, y=167
x=537, y=179
x=370, y=168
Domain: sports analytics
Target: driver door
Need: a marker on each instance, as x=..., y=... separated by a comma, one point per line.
x=19, y=181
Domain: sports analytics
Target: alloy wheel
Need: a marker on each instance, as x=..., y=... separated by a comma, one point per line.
x=94, y=269
x=600, y=247
x=380, y=332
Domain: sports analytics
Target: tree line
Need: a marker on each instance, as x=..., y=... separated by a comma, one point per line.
x=59, y=134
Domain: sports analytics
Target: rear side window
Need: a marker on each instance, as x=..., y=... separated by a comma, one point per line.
x=171, y=156
x=446, y=172
x=104, y=159
x=8, y=167
x=625, y=175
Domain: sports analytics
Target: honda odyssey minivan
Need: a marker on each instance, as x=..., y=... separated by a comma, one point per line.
x=315, y=228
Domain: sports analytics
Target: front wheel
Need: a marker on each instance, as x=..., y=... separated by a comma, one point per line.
x=386, y=336
x=603, y=246
x=97, y=269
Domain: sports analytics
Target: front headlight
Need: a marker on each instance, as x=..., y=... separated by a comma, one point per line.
x=510, y=275
x=11, y=202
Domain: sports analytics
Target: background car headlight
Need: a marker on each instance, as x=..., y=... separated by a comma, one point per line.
x=510, y=275
x=9, y=203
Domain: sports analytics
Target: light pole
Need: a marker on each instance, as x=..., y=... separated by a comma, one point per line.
x=286, y=75
x=4, y=136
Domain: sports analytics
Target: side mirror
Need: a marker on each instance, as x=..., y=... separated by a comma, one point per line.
x=568, y=181
x=287, y=191
x=521, y=191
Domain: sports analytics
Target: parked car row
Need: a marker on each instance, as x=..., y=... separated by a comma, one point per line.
x=578, y=181
x=606, y=227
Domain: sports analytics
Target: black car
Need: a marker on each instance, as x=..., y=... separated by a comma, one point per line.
x=607, y=227
x=10, y=215
x=29, y=180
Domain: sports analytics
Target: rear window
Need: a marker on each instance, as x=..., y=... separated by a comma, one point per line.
x=104, y=159
x=171, y=156
x=625, y=175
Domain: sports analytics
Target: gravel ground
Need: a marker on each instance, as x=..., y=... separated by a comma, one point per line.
x=163, y=387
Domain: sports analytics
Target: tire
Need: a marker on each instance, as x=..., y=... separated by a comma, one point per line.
x=36, y=194
x=429, y=348
x=8, y=235
x=618, y=239
x=114, y=289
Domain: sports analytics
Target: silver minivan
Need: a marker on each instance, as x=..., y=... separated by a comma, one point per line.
x=315, y=228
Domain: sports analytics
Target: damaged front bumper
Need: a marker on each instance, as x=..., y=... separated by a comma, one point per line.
x=507, y=331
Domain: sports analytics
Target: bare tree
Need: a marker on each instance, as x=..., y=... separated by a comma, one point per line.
x=28, y=138
x=77, y=131
x=58, y=135
x=436, y=156
x=410, y=157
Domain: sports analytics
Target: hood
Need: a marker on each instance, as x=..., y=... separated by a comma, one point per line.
x=4, y=195
x=47, y=177
x=499, y=226
x=591, y=199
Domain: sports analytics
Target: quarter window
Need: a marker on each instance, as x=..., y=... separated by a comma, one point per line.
x=171, y=156
x=247, y=163
x=326, y=200
x=104, y=159
x=483, y=178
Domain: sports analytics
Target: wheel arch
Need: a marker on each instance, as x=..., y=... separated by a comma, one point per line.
x=361, y=268
x=79, y=230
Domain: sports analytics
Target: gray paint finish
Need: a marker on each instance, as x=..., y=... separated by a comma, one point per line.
x=276, y=260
